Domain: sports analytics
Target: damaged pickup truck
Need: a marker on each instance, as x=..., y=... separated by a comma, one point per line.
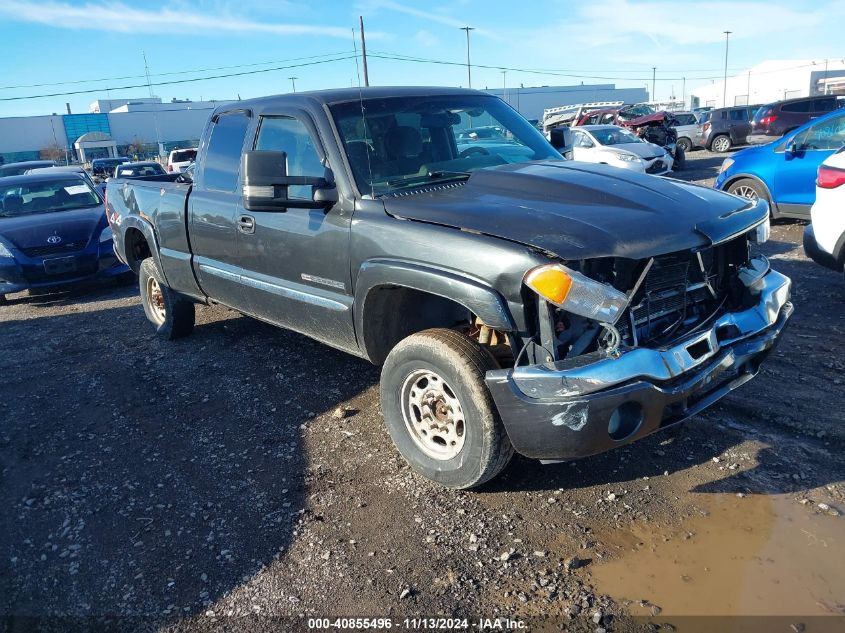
x=516, y=301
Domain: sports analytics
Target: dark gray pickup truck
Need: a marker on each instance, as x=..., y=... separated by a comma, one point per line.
x=516, y=301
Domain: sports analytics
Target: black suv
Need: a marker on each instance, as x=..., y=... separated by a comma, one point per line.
x=779, y=118
x=719, y=130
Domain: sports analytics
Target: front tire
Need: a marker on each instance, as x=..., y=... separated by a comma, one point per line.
x=172, y=314
x=721, y=143
x=685, y=144
x=752, y=190
x=440, y=413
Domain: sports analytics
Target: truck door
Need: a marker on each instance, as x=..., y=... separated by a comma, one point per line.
x=296, y=261
x=212, y=207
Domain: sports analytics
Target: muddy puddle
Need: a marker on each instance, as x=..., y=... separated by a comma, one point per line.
x=754, y=555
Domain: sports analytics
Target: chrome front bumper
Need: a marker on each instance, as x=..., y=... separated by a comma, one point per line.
x=566, y=409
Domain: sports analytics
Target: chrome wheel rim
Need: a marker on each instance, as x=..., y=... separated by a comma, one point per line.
x=744, y=191
x=156, y=299
x=433, y=415
x=721, y=144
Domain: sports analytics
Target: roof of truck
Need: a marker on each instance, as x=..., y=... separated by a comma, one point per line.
x=342, y=95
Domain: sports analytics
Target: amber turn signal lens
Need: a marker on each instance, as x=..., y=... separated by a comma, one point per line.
x=551, y=283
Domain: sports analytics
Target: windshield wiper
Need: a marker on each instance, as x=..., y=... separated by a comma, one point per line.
x=440, y=173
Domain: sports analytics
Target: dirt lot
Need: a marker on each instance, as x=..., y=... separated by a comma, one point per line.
x=245, y=471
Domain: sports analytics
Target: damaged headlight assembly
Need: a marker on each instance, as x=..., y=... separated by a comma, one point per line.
x=577, y=293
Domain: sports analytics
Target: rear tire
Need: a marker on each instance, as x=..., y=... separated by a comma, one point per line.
x=172, y=314
x=721, y=143
x=3, y=300
x=440, y=413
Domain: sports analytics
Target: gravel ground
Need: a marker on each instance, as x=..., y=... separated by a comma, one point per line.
x=245, y=471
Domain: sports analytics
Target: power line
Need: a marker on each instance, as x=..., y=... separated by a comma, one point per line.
x=178, y=81
x=172, y=72
x=563, y=73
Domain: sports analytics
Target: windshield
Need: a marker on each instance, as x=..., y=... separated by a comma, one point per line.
x=46, y=197
x=635, y=111
x=615, y=136
x=400, y=142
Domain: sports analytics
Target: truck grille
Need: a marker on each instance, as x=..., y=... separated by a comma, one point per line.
x=54, y=249
x=679, y=291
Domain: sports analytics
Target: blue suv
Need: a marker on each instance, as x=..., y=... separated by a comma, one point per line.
x=784, y=172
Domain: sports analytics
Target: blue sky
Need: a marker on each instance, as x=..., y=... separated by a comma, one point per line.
x=598, y=41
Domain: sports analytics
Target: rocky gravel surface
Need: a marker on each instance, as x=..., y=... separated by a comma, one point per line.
x=242, y=478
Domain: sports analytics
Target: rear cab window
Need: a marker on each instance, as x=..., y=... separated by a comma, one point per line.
x=223, y=156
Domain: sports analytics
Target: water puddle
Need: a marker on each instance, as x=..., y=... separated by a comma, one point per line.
x=754, y=555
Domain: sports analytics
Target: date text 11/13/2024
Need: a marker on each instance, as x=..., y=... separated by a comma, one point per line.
x=418, y=624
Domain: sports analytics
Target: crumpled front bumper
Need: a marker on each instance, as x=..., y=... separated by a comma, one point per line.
x=593, y=403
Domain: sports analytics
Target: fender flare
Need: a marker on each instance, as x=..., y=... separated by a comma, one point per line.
x=148, y=231
x=477, y=297
x=772, y=205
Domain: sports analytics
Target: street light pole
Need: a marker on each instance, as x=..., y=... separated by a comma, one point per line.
x=653, y=79
x=293, y=82
x=725, y=88
x=469, y=67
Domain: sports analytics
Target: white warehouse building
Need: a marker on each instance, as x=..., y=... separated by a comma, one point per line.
x=773, y=80
x=136, y=127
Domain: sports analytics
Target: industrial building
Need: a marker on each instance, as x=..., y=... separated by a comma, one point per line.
x=127, y=127
x=531, y=101
x=773, y=80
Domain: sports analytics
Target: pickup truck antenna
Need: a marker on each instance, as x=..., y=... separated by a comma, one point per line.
x=363, y=118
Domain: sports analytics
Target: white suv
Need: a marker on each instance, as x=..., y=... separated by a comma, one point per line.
x=179, y=159
x=824, y=239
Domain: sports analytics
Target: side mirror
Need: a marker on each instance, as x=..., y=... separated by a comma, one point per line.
x=265, y=184
x=792, y=148
x=561, y=138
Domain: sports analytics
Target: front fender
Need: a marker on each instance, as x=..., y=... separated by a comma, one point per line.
x=480, y=299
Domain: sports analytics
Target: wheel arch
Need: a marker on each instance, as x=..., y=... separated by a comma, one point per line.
x=743, y=176
x=139, y=242
x=394, y=299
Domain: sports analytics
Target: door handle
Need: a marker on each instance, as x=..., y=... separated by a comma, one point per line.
x=246, y=224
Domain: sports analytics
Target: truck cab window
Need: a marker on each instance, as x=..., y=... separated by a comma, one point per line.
x=289, y=135
x=223, y=158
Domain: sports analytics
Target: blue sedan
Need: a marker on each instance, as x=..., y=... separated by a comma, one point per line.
x=784, y=172
x=53, y=231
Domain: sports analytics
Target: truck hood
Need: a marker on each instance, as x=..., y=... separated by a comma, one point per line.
x=581, y=211
x=73, y=226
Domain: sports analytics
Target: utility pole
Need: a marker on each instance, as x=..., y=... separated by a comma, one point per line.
x=748, y=89
x=293, y=82
x=725, y=88
x=469, y=66
x=364, y=51
x=505, y=85
x=684, y=91
x=825, y=75
x=653, y=80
